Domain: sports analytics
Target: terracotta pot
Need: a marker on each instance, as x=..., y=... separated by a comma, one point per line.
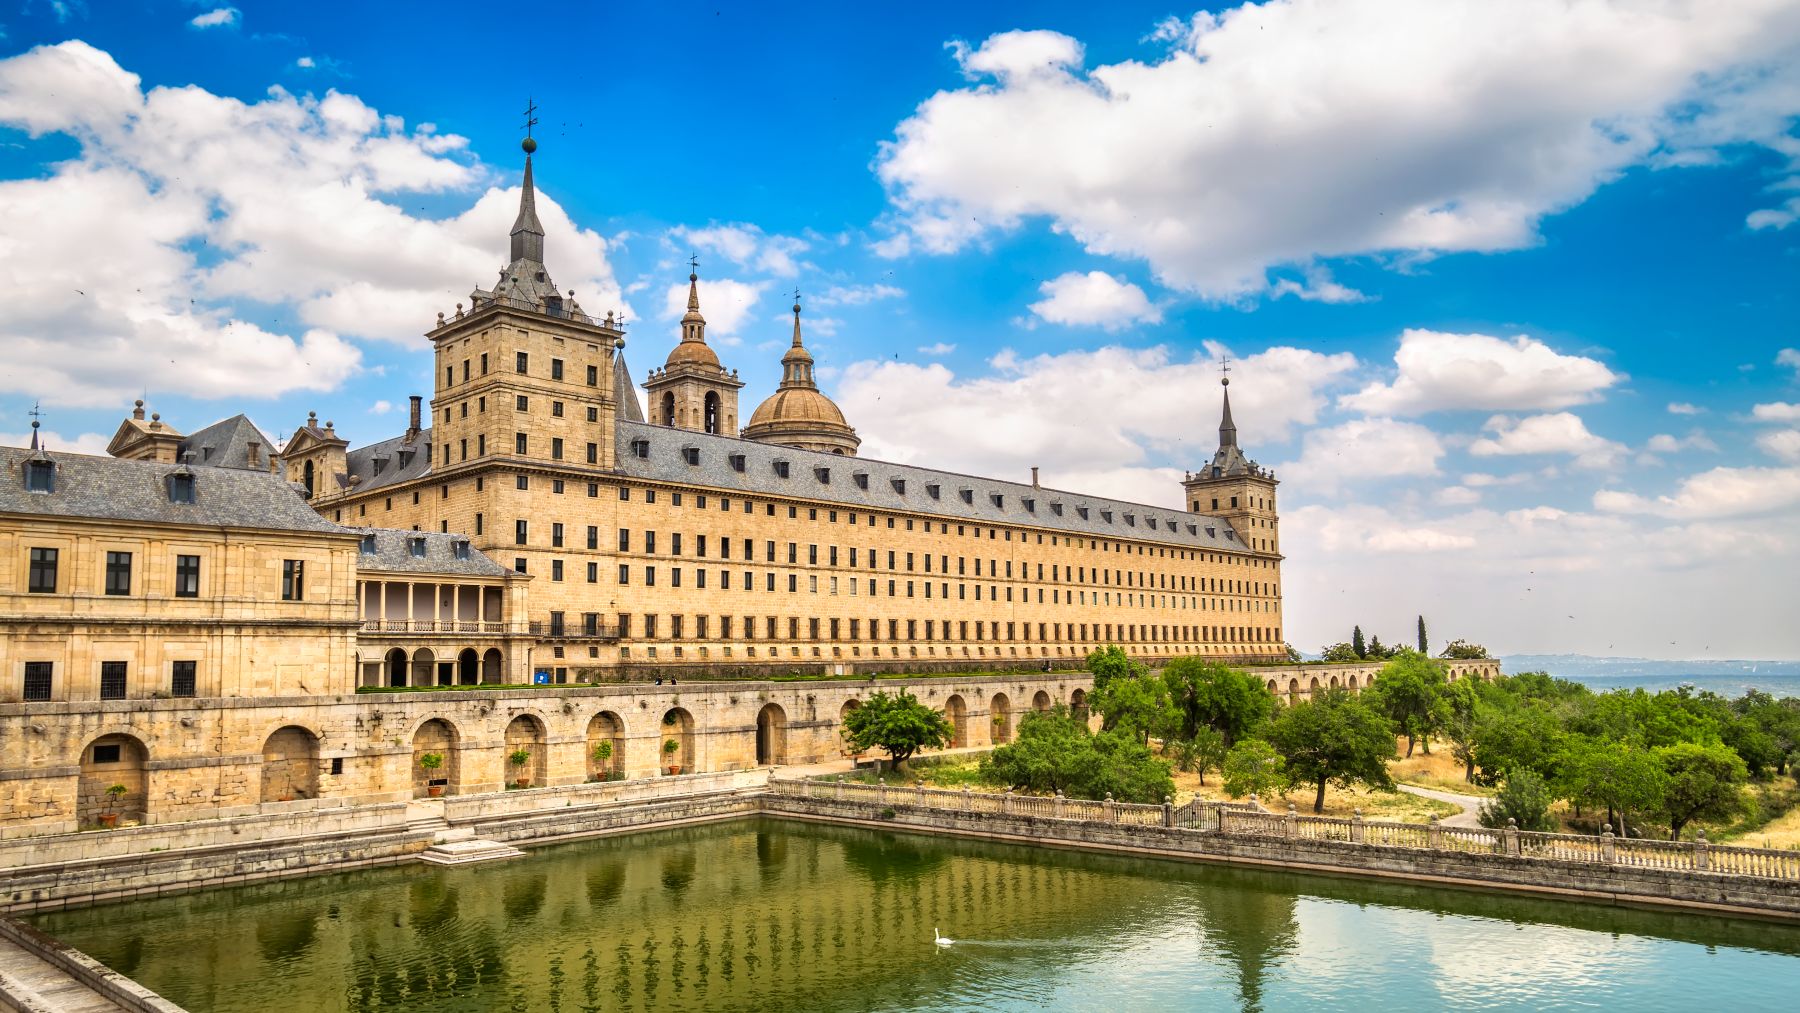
x=523, y=782
x=674, y=768
x=109, y=820
x=435, y=790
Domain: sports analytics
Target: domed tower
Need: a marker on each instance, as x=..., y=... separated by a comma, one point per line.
x=797, y=414
x=692, y=390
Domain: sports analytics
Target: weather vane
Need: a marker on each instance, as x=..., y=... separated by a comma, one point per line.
x=36, y=411
x=693, y=263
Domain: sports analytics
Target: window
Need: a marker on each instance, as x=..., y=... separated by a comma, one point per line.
x=593, y=452
x=37, y=680
x=556, y=445
x=522, y=403
x=181, y=679
x=520, y=443
x=40, y=476
x=181, y=488
x=112, y=680
x=521, y=362
x=293, y=573
x=556, y=569
x=118, y=573
x=518, y=564
x=520, y=530
x=556, y=409
x=556, y=535
x=593, y=378
x=187, y=574
x=556, y=369
x=459, y=549
x=43, y=572
x=640, y=448
x=522, y=481
x=624, y=539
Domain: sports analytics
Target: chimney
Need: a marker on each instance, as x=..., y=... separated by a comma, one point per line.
x=1034, y=480
x=412, y=425
x=255, y=454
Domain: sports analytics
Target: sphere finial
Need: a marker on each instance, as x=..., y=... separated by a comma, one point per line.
x=529, y=144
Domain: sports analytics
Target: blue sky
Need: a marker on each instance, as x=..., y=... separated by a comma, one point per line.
x=1512, y=293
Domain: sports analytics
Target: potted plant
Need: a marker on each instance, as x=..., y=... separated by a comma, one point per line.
x=602, y=755
x=519, y=758
x=109, y=818
x=429, y=763
x=670, y=748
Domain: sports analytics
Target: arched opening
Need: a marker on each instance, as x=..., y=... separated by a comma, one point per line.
x=1000, y=717
x=1040, y=701
x=1272, y=687
x=424, y=667
x=468, y=667
x=396, y=667
x=290, y=767
x=677, y=745
x=1078, y=705
x=1293, y=690
x=114, y=787
x=306, y=477
x=668, y=408
x=491, y=667
x=712, y=412
x=1334, y=682
x=844, y=713
x=436, y=759
x=525, y=752
x=771, y=736
x=1313, y=685
x=958, y=713
x=606, y=747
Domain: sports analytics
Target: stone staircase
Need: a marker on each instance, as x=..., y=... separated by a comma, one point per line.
x=452, y=845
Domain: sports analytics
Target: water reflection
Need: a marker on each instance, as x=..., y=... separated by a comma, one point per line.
x=766, y=915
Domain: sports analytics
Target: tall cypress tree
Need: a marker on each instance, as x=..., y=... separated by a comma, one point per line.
x=1424, y=644
x=1356, y=643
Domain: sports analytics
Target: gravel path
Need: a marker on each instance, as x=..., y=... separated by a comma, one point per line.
x=1471, y=804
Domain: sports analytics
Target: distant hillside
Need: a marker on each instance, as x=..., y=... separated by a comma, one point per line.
x=1579, y=665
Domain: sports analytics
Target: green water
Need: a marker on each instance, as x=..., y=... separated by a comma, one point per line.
x=765, y=915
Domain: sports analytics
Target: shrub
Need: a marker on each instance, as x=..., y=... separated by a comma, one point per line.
x=1523, y=797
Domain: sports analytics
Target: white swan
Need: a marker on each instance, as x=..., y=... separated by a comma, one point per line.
x=940, y=940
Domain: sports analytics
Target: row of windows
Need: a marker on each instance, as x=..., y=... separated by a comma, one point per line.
x=521, y=365
x=809, y=628
x=45, y=565
x=40, y=677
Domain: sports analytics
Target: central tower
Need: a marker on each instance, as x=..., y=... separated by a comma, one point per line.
x=798, y=414
x=1236, y=489
x=692, y=390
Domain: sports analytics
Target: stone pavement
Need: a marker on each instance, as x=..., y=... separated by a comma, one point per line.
x=34, y=984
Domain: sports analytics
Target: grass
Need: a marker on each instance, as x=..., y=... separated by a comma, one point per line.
x=1439, y=771
x=1396, y=806
x=956, y=773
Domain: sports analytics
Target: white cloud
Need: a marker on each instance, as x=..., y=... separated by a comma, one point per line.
x=1777, y=411
x=1720, y=492
x=1284, y=132
x=745, y=245
x=856, y=295
x=381, y=408
x=726, y=303
x=1094, y=299
x=218, y=17
x=1684, y=408
x=1365, y=449
x=305, y=63
x=1782, y=444
x=87, y=443
x=1558, y=433
x=1664, y=443
x=940, y=348
x=295, y=202
x=1088, y=417
x=1442, y=372
x=1317, y=286
x=1456, y=495
x=1789, y=357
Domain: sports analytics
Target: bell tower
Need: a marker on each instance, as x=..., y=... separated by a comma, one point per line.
x=1236, y=489
x=692, y=390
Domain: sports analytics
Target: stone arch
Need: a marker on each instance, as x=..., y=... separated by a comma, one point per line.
x=468, y=667
x=711, y=418
x=1040, y=701
x=424, y=668
x=608, y=728
x=844, y=713
x=395, y=665
x=493, y=666
x=525, y=732
x=306, y=477
x=958, y=713
x=1293, y=690
x=1313, y=686
x=1334, y=682
x=667, y=415
x=1078, y=705
x=1272, y=687
x=116, y=759
x=677, y=727
x=290, y=765
x=1000, y=719
x=438, y=737
x=771, y=736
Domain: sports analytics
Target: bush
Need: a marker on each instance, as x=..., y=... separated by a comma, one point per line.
x=1055, y=752
x=1523, y=797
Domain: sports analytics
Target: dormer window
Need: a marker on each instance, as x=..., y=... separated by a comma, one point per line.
x=1230, y=536
x=416, y=547
x=968, y=495
x=1030, y=505
x=899, y=485
x=640, y=448
x=1193, y=529
x=459, y=549
x=1131, y=519
x=181, y=488
x=823, y=475
x=1056, y=508
x=405, y=458
x=999, y=500
x=1081, y=512
x=368, y=545
x=934, y=490
x=691, y=455
x=1106, y=515
x=781, y=469
x=861, y=479
x=40, y=476
x=737, y=462
x=1151, y=521
x=1212, y=532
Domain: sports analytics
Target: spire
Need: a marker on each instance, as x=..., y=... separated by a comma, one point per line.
x=797, y=364
x=693, y=325
x=527, y=231
x=1227, y=428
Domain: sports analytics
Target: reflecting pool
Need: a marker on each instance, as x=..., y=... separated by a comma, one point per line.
x=770, y=915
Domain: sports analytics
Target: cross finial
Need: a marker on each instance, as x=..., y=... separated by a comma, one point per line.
x=1225, y=370
x=37, y=410
x=530, y=115
x=693, y=263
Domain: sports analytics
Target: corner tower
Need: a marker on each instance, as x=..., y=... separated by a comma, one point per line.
x=692, y=390
x=1236, y=489
x=798, y=414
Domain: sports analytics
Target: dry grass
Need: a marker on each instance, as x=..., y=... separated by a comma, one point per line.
x=1439, y=770
x=1375, y=805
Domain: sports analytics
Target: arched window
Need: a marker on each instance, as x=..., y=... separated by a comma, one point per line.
x=712, y=412
x=307, y=477
x=668, y=408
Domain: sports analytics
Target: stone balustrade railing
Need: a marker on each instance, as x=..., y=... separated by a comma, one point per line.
x=1237, y=819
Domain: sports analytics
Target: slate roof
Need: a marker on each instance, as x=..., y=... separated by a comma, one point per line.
x=393, y=554
x=105, y=488
x=226, y=444
x=362, y=462
x=623, y=392
x=904, y=488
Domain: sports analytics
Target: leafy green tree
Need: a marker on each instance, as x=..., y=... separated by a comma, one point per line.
x=1111, y=662
x=1462, y=650
x=1292, y=655
x=1410, y=691
x=1210, y=695
x=1138, y=705
x=1612, y=775
x=897, y=723
x=1703, y=782
x=1463, y=707
x=1204, y=752
x=1334, y=738
x=1055, y=752
x=1424, y=642
x=1127, y=771
x=1357, y=644
x=1253, y=767
x=1340, y=652
x=1524, y=798
x=1376, y=651
x=1518, y=737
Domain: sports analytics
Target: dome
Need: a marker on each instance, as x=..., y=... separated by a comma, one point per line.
x=695, y=353
x=797, y=404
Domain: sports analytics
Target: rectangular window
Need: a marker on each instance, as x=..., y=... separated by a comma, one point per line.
x=556, y=569
x=37, y=680
x=521, y=362
x=519, y=532
x=593, y=378
x=181, y=679
x=43, y=572
x=519, y=443
x=556, y=369
x=593, y=452
x=293, y=580
x=556, y=536
x=118, y=573
x=556, y=445
x=112, y=680
x=624, y=574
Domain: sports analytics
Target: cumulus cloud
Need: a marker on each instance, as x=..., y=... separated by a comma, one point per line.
x=1441, y=372
x=1720, y=492
x=295, y=203
x=1684, y=408
x=1556, y=433
x=1317, y=285
x=937, y=349
x=1094, y=299
x=305, y=63
x=1789, y=357
x=1782, y=444
x=745, y=245
x=856, y=295
x=86, y=443
x=381, y=408
x=1665, y=443
x=219, y=17
x=1776, y=411
x=726, y=303
x=1365, y=449
x=1281, y=133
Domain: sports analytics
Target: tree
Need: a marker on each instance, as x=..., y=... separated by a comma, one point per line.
x=1111, y=662
x=1292, y=655
x=1376, y=651
x=1704, y=782
x=1517, y=737
x=1462, y=712
x=1055, y=752
x=899, y=724
x=1357, y=644
x=1210, y=695
x=1253, y=767
x=1205, y=751
x=1138, y=705
x=1524, y=799
x=1424, y=643
x=1462, y=650
x=1334, y=738
x=1612, y=775
x=1339, y=652
x=1410, y=691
